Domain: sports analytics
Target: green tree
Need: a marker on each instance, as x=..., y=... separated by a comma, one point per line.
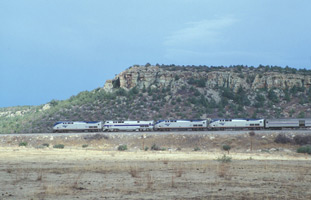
x=226, y=147
x=272, y=96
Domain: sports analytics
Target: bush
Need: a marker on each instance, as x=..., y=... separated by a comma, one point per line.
x=283, y=139
x=85, y=145
x=45, y=145
x=23, y=144
x=272, y=96
x=155, y=147
x=122, y=147
x=58, y=146
x=304, y=149
x=302, y=140
x=224, y=159
x=226, y=147
x=197, y=149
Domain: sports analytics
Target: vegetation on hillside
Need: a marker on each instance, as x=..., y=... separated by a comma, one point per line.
x=189, y=101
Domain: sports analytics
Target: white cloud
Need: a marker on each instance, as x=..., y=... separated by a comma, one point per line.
x=204, y=32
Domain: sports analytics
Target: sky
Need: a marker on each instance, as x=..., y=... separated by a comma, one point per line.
x=53, y=49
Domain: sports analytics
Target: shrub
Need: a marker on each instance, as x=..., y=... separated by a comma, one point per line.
x=122, y=147
x=304, y=149
x=85, y=145
x=155, y=147
x=272, y=96
x=45, y=145
x=226, y=147
x=302, y=140
x=23, y=144
x=224, y=159
x=58, y=146
x=197, y=149
x=146, y=148
x=283, y=139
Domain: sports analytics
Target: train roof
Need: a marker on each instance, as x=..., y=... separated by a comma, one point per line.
x=216, y=119
x=88, y=122
x=189, y=120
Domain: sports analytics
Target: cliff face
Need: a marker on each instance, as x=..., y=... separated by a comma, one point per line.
x=249, y=79
x=175, y=92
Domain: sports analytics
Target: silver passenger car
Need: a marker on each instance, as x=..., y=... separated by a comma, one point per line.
x=128, y=126
x=288, y=123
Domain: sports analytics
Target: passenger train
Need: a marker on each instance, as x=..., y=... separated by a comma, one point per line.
x=192, y=125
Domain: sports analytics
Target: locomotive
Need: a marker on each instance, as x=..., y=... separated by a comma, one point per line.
x=192, y=125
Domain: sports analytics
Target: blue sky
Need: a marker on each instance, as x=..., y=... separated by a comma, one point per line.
x=53, y=49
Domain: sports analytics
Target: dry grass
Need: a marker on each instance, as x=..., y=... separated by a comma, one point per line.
x=165, y=161
x=19, y=175
x=223, y=170
x=134, y=172
x=178, y=172
x=149, y=181
x=73, y=173
x=39, y=176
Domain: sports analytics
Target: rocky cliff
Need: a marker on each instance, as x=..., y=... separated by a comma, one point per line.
x=247, y=78
x=175, y=92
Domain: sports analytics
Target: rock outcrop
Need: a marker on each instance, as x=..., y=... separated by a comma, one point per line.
x=159, y=77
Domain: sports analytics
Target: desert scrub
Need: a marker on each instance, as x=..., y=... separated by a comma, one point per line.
x=197, y=149
x=58, y=146
x=226, y=148
x=224, y=159
x=23, y=144
x=85, y=145
x=122, y=147
x=45, y=145
x=155, y=147
x=304, y=149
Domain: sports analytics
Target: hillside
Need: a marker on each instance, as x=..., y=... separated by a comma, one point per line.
x=166, y=92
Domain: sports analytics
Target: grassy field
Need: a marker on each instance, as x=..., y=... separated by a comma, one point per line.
x=102, y=172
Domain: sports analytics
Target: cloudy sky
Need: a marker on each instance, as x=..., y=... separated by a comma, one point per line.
x=53, y=49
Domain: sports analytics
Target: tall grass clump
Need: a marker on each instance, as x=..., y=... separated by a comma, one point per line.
x=23, y=144
x=58, y=146
x=45, y=145
x=304, y=149
x=122, y=147
x=224, y=159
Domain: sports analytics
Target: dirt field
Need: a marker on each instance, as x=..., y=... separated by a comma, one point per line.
x=99, y=171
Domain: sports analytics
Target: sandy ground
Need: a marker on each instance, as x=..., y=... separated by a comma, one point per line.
x=29, y=173
x=99, y=171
